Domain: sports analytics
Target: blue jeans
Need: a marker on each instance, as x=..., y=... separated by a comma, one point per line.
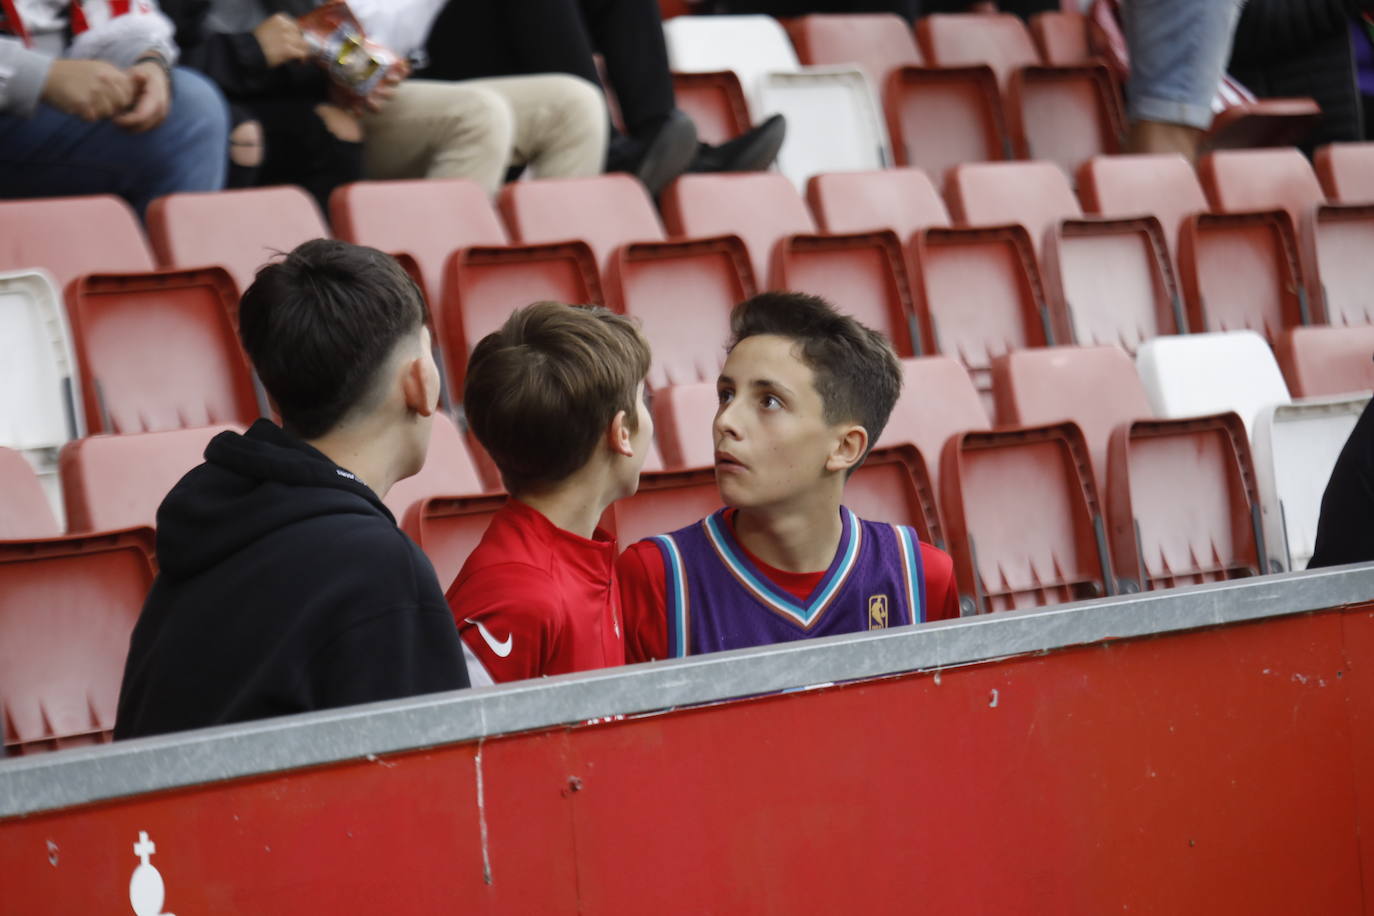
x=53, y=154
x=1179, y=50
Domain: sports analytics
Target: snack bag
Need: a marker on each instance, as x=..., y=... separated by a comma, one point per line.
x=356, y=64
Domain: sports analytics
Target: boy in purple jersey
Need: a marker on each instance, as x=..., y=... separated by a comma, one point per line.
x=803, y=395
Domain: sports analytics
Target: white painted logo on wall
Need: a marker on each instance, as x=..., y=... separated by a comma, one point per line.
x=146, y=891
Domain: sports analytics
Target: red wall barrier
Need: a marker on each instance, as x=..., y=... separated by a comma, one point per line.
x=1213, y=771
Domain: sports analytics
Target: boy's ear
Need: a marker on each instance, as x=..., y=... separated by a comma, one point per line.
x=848, y=450
x=419, y=388
x=618, y=436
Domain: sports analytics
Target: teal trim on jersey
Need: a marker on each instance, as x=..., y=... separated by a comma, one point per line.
x=676, y=594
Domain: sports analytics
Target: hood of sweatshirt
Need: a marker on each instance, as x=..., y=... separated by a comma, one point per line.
x=250, y=486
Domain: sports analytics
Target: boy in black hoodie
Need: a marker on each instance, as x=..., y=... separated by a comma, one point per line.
x=284, y=584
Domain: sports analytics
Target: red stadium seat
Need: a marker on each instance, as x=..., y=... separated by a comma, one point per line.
x=448, y=529
x=448, y=471
x=1111, y=282
x=876, y=43
x=682, y=294
x=71, y=236
x=862, y=274
x=979, y=295
x=937, y=401
x=1346, y=172
x=665, y=502
x=427, y=219
x=1321, y=361
x=1061, y=37
x=1201, y=527
x=605, y=211
x=239, y=230
x=760, y=208
x=67, y=608
x=25, y=512
x=1023, y=519
x=111, y=482
x=903, y=200
x=159, y=351
x=1333, y=239
x=1241, y=272
x=715, y=102
x=1035, y=194
x=1064, y=114
x=1164, y=186
x=482, y=286
x=682, y=424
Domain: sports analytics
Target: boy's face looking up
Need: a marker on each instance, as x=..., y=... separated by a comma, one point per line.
x=772, y=441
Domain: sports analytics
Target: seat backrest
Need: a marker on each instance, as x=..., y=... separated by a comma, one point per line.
x=1061, y=37
x=759, y=207
x=605, y=211
x=448, y=471
x=38, y=377
x=683, y=415
x=665, y=502
x=448, y=529
x=999, y=40
x=239, y=230
x=682, y=294
x=1164, y=186
x=1096, y=388
x=1260, y=179
x=67, y=609
x=427, y=219
x=113, y=482
x=1346, y=172
x=937, y=401
x=24, y=512
x=1296, y=447
x=160, y=351
x=1240, y=271
x=1322, y=361
x=1194, y=374
x=751, y=46
x=903, y=200
x=877, y=43
x=1023, y=519
x=1035, y=194
x=71, y=236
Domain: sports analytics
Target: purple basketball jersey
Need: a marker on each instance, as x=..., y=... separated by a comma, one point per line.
x=719, y=599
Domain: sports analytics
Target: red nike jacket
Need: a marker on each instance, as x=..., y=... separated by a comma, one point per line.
x=534, y=599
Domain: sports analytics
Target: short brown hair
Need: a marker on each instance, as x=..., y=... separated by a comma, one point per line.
x=541, y=391
x=857, y=373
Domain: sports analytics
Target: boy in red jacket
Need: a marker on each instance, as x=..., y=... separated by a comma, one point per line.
x=556, y=397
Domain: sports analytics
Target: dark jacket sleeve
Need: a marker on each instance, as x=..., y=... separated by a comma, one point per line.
x=1345, y=528
x=235, y=61
x=404, y=651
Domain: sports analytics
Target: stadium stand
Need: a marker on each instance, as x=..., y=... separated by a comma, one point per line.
x=937, y=401
x=1164, y=186
x=1023, y=520
x=1061, y=37
x=448, y=471
x=1296, y=446
x=865, y=274
x=1240, y=271
x=605, y=211
x=38, y=377
x=833, y=122
x=1197, y=374
x=239, y=230
x=113, y=482
x=67, y=607
x=715, y=102
x=1320, y=361
x=1346, y=172
x=448, y=528
x=134, y=333
x=937, y=117
x=25, y=513
x=1034, y=194
x=1179, y=494
x=903, y=200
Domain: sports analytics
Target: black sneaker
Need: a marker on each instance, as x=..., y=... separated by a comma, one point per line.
x=752, y=151
x=660, y=159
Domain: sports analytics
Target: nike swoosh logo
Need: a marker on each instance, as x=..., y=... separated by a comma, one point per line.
x=502, y=649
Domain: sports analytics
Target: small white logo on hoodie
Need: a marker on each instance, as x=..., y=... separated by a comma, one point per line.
x=342, y=473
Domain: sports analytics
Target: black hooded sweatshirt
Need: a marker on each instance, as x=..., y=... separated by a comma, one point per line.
x=284, y=586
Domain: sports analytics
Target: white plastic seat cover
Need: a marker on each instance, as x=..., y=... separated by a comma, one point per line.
x=1188, y=375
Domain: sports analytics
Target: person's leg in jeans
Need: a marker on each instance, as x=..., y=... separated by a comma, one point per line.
x=440, y=129
x=53, y=154
x=1179, y=50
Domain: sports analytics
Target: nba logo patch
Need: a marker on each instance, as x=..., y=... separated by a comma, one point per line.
x=877, y=612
